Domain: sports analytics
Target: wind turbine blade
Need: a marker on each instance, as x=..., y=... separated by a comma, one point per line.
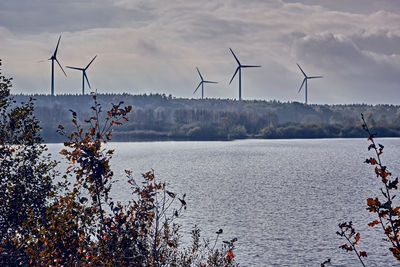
x=55, y=51
x=315, y=77
x=201, y=77
x=74, y=68
x=237, y=60
x=209, y=82
x=197, y=87
x=301, y=70
x=301, y=86
x=61, y=67
x=90, y=62
x=250, y=66
x=234, y=74
x=87, y=80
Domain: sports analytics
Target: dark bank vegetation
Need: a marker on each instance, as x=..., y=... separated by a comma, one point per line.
x=75, y=222
x=161, y=117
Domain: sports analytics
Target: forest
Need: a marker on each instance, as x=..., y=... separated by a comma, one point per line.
x=162, y=117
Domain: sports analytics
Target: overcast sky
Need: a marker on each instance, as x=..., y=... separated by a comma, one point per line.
x=153, y=46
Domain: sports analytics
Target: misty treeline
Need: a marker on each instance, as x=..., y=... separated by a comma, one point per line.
x=162, y=117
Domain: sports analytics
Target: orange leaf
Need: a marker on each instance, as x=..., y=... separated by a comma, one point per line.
x=357, y=238
x=373, y=223
x=230, y=254
x=370, y=202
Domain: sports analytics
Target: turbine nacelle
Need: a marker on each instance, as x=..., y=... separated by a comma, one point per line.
x=202, y=82
x=239, y=69
x=84, y=76
x=54, y=58
x=306, y=78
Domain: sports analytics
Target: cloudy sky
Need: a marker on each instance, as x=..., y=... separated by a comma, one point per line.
x=148, y=46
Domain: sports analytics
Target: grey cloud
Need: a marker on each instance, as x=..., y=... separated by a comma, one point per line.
x=340, y=54
x=147, y=46
x=35, y=16
x=353, y=6
x=330, y=52
x=354, y=72
x=382, y=42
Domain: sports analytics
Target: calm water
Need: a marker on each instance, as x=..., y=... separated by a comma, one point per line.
x=282, y=199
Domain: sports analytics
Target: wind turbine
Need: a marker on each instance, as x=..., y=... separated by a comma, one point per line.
x=306, y=78
x=239, y=68
x=84, y=76
x=202, y=84
x=52, y=58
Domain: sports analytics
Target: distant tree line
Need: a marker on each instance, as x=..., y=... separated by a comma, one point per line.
x=162, y=117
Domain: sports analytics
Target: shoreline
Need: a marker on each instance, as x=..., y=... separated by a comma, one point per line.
x=242, y=139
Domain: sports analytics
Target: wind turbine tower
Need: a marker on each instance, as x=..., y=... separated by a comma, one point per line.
x=306, y=78
x=202, y=82
x=54, y=58
x=239, y=69
x=84, y=76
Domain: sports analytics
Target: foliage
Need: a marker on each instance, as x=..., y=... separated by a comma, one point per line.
x=26, y=174
x=310, y=130
x=348, y=232
x=76, y=222
x=388, y=214
x=237, y=132
x=203, y=254
x=139, y=233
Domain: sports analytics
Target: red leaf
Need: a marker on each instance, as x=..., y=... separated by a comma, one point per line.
x=357, y=238
x=373, y=223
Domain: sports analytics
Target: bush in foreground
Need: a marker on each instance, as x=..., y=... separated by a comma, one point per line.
x=388, y=214
x=76, y=222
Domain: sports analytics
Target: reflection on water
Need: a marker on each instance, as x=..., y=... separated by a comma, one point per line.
x=282, y=199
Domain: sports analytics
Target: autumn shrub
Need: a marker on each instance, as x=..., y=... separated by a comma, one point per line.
x=26, y=173
x=75, y=222
x=387, y=212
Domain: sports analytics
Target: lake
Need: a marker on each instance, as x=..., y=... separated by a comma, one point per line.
x=282, y=199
